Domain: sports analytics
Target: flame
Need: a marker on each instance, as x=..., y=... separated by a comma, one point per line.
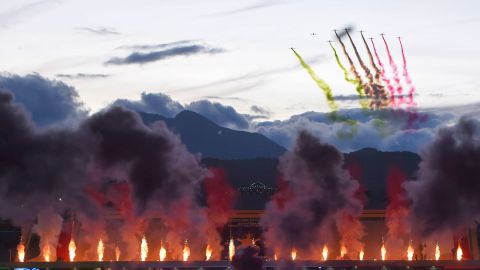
x=117, y=253
x=360, y=255
x=437, y=252
x=208, y=252
x=325, y=252
x=410, y=251
x=343, y=251
x=71, y=250
x=186, y=252
x=100, y=250
x=383, y=250
x=459, y=252
x=163, y=252
x=21, y=252
x=294, y=254
x=275, y=257
x=143, y=249
x=231, y=249
x=46, y=252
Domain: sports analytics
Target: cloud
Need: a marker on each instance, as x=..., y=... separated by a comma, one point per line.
x=223, y=115
x=260, y=110
x=383, y=130
x=156, y=46
x=156, y=103
x=100, y=30
x=48, y=101
x=82, y=76
x=154, y=56
x=259, y=5
x=26, y=11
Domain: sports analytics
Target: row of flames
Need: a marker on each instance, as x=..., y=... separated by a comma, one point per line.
x=383, y=253
x=47, y=252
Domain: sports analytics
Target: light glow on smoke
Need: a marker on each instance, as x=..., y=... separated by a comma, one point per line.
x=208, y=252
x=163, y=252
x=71, y=250
x=117, y=253
x=21, y=252
x=100, y=250
x=325, y=252
x=143, y=249
x=186, y=252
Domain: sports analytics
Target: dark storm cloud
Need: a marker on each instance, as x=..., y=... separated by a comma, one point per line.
x=154, y=56
x=102, y=31
x=223, y=115
x=319, y=190
x=157, y=103
x=48, y=101
x=82, y=76
x=446, y=195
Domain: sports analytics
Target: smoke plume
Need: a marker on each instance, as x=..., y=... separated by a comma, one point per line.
x=446, y=195
x=319, y=190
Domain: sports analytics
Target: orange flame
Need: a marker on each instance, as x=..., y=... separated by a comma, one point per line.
x=325, y=252
x=21, y=252
x=117, y=253
x=343, y=251
x=437, y=252
x=275, y=257
x=294, y=254
x=143, y=249
x=186, y=252
x=163, y=252
x=208, y=252
x=71, y=250
x=459, y=252
x=383, y=251
x=361, y=254
x=100, y=250
x=231, y=249
x=410, y=251
x=46, y=252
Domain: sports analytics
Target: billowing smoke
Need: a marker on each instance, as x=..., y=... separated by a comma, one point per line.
x=65, y=169
x=446, y=195
x=319, y=192
x=220, y=198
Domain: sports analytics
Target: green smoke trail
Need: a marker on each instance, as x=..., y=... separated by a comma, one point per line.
x=320, y=83
x=327, y=90
x=358, y=79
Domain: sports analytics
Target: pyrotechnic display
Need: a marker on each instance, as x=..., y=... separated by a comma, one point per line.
x=239, y=135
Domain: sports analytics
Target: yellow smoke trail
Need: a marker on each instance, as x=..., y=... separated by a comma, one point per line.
x=320, y=83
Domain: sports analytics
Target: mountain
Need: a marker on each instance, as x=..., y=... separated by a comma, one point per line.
x=201, y=135
x=376, y=171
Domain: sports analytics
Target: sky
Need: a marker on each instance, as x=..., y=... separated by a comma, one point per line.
x=186, y=53
x=252, y=64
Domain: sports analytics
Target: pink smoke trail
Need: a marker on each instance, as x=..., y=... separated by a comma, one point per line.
x=396, y=78
x=406, y=75
x=390, y=87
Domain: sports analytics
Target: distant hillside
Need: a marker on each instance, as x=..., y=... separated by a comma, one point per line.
x=369, y=166
x=201, y=135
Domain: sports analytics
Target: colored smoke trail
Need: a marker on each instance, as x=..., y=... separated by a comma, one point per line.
x=396, y=79
x=354, y=71
x=381, y=94
x=406, y=75
x=390, y=87
x=320, y=83
x=368, y=74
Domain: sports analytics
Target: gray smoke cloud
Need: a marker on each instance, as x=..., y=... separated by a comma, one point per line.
x=446, y=195
x=319, y=192
x=53, y=168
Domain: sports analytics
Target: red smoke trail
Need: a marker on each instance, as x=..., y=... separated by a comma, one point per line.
x=384, y=76
x=395, y=71
x=406, y=75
